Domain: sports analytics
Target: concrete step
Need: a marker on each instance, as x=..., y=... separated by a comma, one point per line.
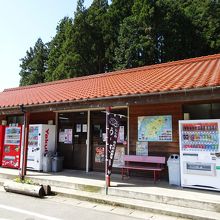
x=137, y=204
x=184, y=198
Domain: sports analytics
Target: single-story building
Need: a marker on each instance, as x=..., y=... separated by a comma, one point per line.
x=187, y=88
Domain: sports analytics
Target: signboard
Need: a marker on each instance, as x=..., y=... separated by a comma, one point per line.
x=155, y=128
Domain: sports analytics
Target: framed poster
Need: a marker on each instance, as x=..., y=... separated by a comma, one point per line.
x=99, y=154
x=142, y=148
x=155, y=128
x=119, y=157
x=121, y=134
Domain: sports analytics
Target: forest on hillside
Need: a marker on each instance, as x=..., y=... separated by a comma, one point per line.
x=123, y=34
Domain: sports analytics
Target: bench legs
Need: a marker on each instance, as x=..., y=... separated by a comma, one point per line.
x=156, y=175
x=124, y=172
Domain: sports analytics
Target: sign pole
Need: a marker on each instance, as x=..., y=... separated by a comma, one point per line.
x=107, y=177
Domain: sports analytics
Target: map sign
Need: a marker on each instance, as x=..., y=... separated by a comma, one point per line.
x=155, y=128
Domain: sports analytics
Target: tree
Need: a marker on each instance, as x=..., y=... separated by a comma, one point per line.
x=117, y=12
x=33, y=65
x=88, y=37
x=61, y=52
x=167, y=30
x=125, y=34
x=136, y=43
x=204, y=16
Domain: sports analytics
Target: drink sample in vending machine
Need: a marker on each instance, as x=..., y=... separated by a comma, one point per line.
x=200, y=136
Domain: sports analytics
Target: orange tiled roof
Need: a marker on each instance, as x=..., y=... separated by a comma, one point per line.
x=173, y=76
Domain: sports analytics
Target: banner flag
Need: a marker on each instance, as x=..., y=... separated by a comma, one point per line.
x=113, y=130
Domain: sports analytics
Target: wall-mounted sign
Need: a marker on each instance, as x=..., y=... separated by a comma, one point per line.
x=78, y=128
x=99, y=154
x=119, y=157
x=84, y=128
x=142, y=148
x=68, y=136
x=155, y=128
x=121, y=134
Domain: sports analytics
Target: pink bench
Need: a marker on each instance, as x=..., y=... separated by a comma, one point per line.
x=152, y=163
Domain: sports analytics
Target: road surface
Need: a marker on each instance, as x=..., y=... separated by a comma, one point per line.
x=20, y=207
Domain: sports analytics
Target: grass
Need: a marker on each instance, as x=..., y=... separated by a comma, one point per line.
x=27, y=181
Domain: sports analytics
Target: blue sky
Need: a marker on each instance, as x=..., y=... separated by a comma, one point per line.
x=22, y=22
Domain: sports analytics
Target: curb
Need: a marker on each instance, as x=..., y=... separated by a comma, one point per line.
x=165, y=209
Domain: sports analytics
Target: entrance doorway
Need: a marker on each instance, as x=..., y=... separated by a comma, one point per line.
x=72, y=136
x=98, y=134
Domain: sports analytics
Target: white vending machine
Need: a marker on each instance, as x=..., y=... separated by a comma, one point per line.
x=41, y=140
x=200, y=153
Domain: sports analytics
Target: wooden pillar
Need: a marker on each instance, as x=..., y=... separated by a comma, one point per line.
x=25, y=145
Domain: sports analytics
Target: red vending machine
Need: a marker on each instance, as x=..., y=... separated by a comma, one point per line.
x=2, y=135
x=12, y=147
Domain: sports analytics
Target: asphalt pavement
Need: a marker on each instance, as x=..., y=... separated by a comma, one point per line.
x=20, y=207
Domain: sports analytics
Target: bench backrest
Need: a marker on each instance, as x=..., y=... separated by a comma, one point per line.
x=144, y=159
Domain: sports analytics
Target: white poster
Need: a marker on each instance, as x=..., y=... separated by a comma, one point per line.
x=104, y=137
x=78, y=127
x=61, y=136
x=84, y=128
x=121, y=134
x=119, y=157
x=142, y=148
x=68, y=136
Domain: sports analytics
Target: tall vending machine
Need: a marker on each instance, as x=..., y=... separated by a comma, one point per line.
x=200, y=153
x=2, y=135
x=41, y=140
x=12, y=147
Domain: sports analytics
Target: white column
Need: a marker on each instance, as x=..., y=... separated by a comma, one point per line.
x=56, y=129
x=88, y=142
x=128, y=130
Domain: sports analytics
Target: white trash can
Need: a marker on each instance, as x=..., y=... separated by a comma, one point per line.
x=173, y=164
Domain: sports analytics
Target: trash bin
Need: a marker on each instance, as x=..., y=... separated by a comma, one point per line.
x=57, y=164
x=173, y=164
x=47, y=163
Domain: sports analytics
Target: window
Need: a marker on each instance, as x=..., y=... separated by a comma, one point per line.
x=203, y=111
